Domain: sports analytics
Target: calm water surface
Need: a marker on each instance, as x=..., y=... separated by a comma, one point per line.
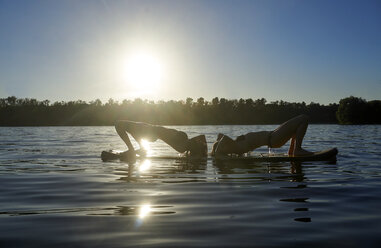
x=56, y=192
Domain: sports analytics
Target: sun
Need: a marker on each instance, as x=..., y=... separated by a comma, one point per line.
x=143, y=72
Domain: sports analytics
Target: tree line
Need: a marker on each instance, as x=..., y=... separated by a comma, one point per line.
x=354, y=110
x=219, y=111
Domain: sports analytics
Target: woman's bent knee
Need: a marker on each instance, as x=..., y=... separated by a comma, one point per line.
x=120, y=125
x=117, y=124
x=303, y=118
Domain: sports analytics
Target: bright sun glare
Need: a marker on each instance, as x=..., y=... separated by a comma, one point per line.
x=144, y=72
x=145, y=144
x=144, y=210
x=145, y=166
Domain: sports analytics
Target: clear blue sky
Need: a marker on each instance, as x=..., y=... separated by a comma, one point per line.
x=318, y=51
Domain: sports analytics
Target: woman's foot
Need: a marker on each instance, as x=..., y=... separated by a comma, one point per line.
x=301, y=152
x=129, y=155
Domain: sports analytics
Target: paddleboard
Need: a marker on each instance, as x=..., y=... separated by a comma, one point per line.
x=326, y=155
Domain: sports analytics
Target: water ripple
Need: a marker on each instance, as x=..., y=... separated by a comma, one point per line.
x=53, y=183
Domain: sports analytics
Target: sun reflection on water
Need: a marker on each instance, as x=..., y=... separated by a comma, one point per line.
x=145, y=165
x=146, y=146
x=144, y=211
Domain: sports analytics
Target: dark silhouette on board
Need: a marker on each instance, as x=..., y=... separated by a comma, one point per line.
x=293, y=129
x=178, y=140
x=196, y=148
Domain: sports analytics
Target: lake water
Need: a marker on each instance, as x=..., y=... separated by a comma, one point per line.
x=56, y=192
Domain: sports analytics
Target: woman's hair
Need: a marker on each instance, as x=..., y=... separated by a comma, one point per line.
x=198, y=146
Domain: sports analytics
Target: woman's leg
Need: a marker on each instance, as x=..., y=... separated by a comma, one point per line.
x=299, y=135
x=292, y=146
x=294, y=129
x=121, y=128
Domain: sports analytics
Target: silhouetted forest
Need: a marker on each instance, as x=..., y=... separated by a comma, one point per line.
x=354, y=110
x=31, y=112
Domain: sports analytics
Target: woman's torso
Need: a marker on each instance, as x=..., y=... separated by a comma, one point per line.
x=253, y=140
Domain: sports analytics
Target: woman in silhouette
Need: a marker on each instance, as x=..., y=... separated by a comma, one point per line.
x=178, y=140
x=293, y=129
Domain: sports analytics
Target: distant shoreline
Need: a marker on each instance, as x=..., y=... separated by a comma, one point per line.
x=219, y=111
x=199, y=125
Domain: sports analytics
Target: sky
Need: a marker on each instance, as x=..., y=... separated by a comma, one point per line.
x=311, y=51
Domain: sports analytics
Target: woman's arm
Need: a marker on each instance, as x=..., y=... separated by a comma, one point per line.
x=215, y=145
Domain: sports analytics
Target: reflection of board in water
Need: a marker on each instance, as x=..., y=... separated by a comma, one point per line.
x=326, y=155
